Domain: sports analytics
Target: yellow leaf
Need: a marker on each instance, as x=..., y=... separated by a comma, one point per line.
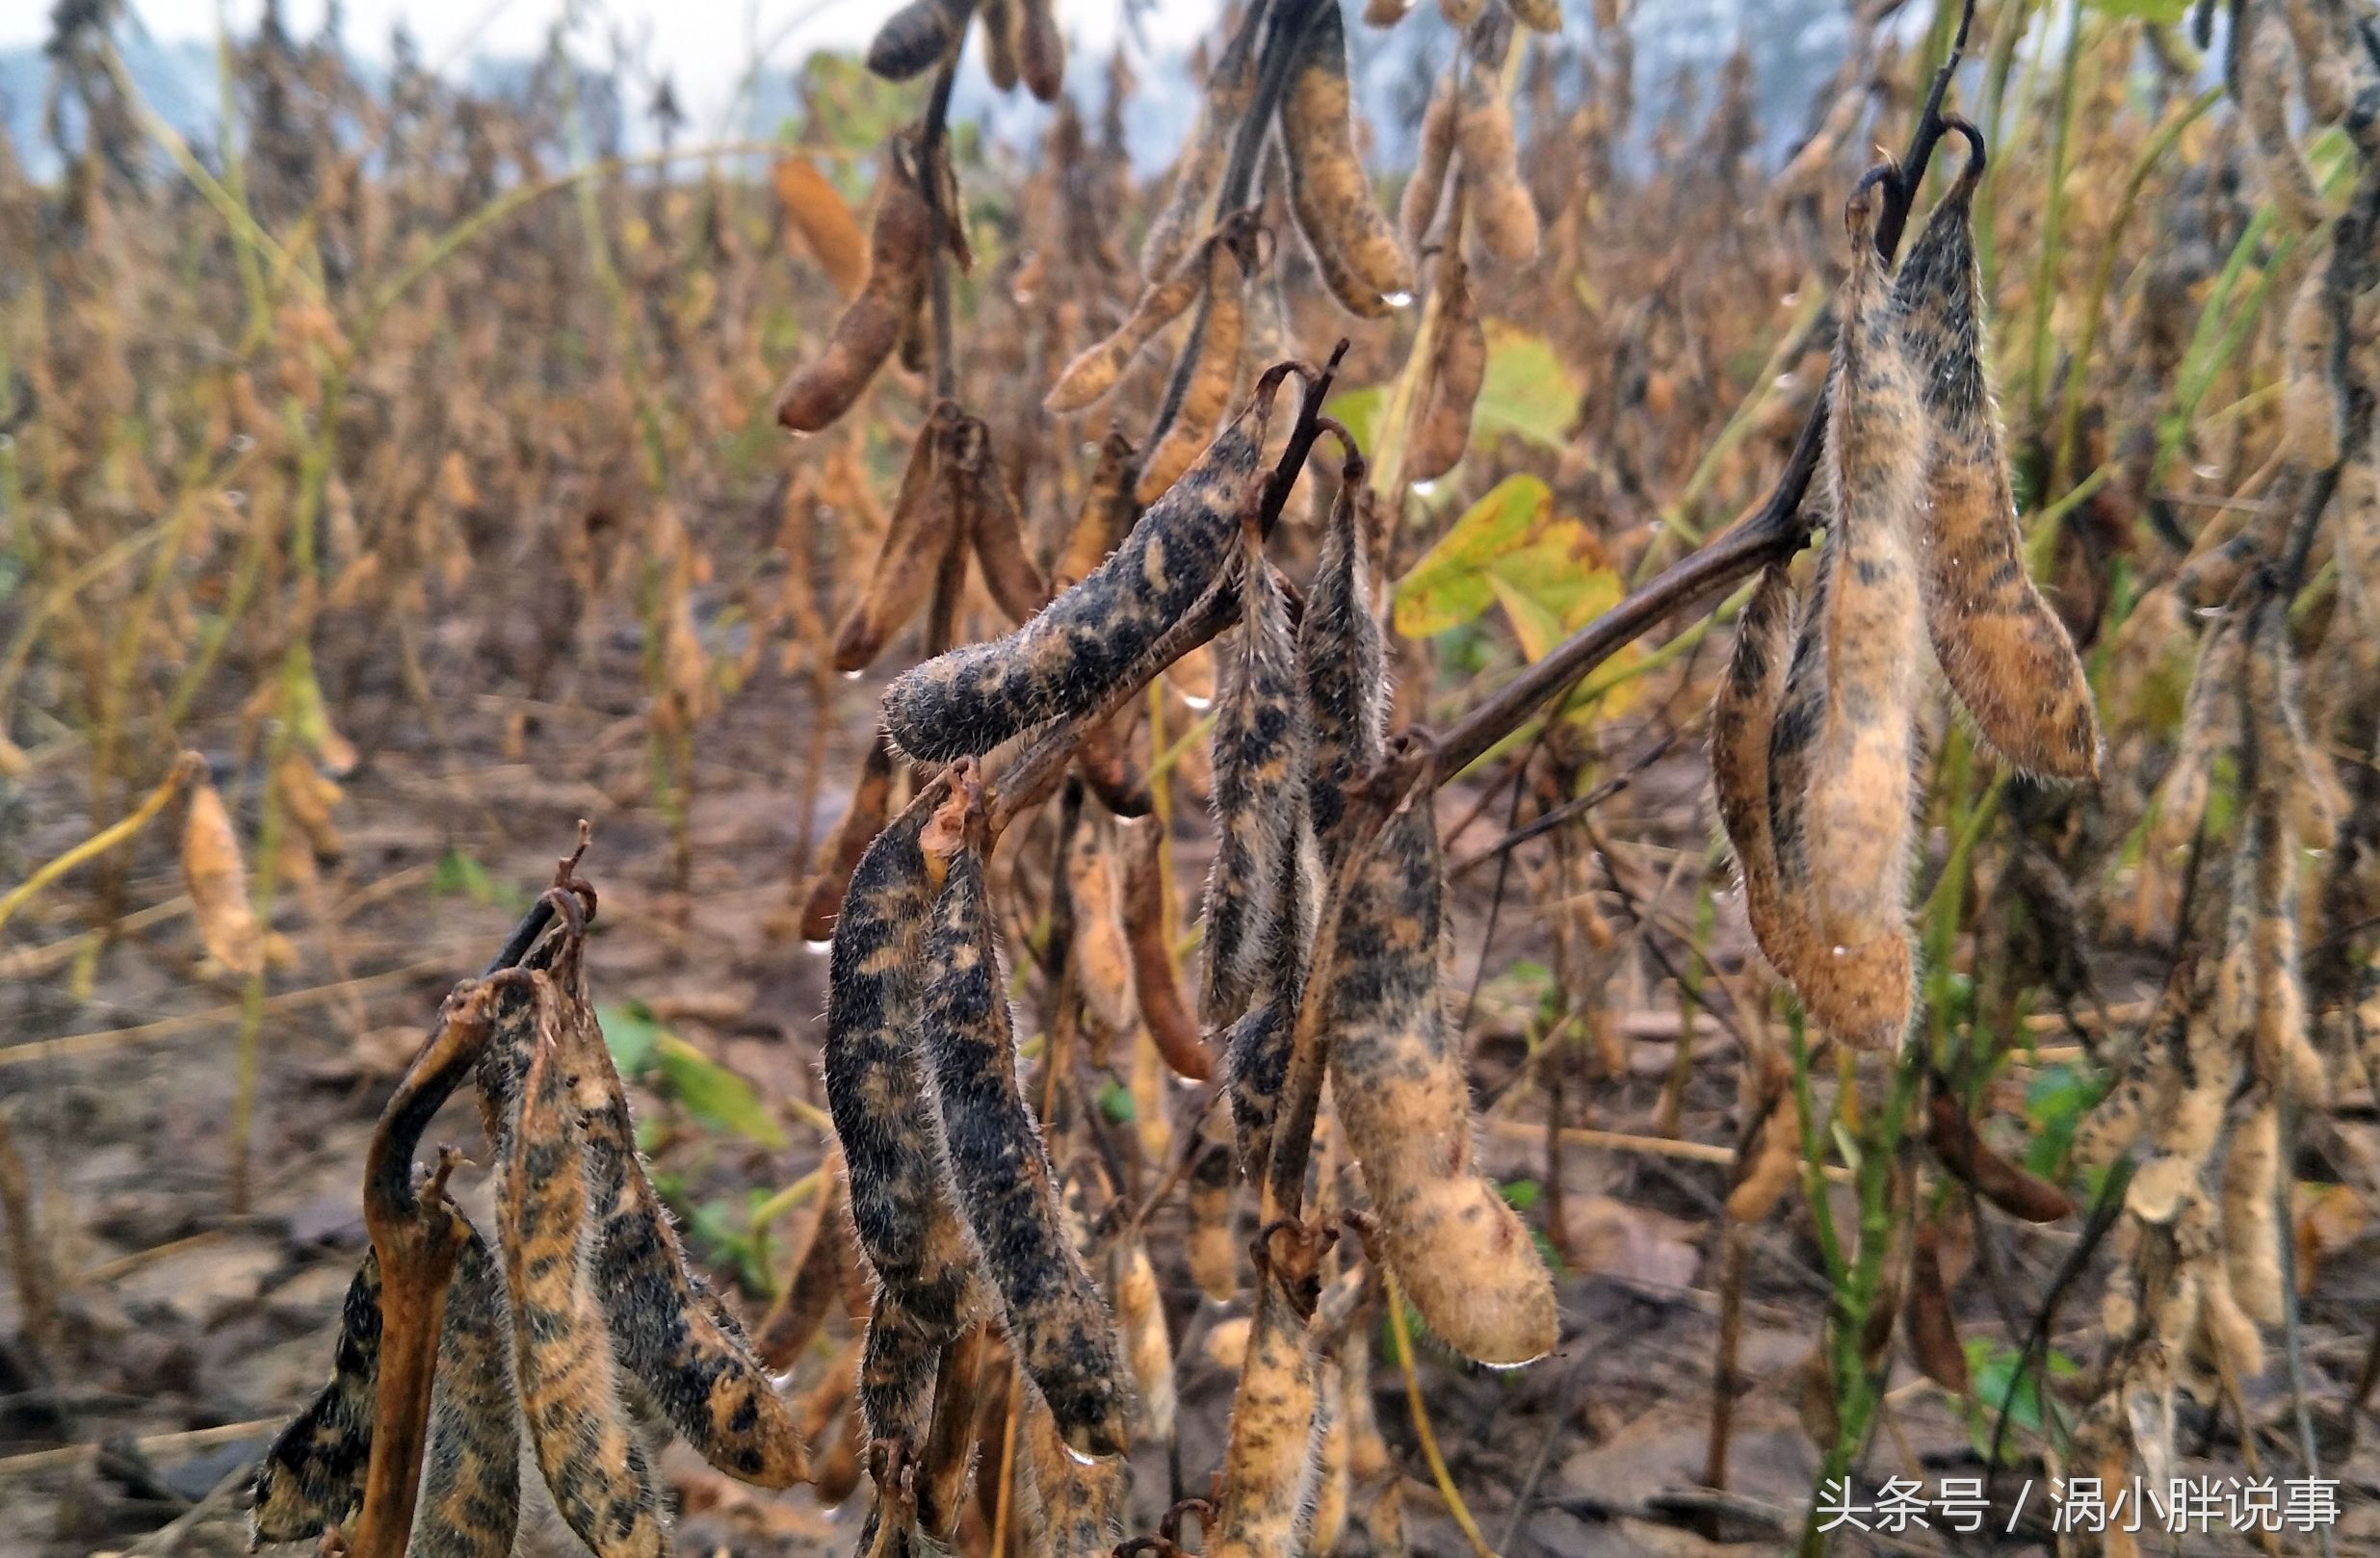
x=1448, y=586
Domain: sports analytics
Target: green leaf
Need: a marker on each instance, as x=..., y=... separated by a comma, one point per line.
x=2162, y=13
x=1522, y=1194
x=1359, y=412
x=1115, y=1102
x=459, y=875
x=1527, y=392
x=1448, y=586
x=713, y=1094
x=631, y=1033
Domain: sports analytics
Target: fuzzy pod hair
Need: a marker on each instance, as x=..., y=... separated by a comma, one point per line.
x=1213, y=1242
x=1269, y=1459
x=871, y=801
x=1260, y=758
x=1215, y=351
x=994, y=527
x=1354, y=248
x=1333, y=1487
x=1231, y=91
x=312, y=1475
x=2005, y=653
x=876, y=1088
x=946, y=1458
x=1405, y=1102
x=1424, y=192
x=2251, y=1226
x=913, y=39
x=1459, y=371
x=1096, y=636
x=470, y=1494
x=1098, y=368
x=570, y=1383
x=1344, y=662
x=998, y=1168
x=899, y=243
x=924, y=528
x=1077, y=1508
x=1744, y=714
x=899, y=1364
x=1155, y=986
x=1841, y=755
x=668, y=1329
x=1502, y=211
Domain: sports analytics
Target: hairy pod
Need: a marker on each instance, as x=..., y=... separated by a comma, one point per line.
x=1404, y=1100
x=1503, y=212
x=1345, y=663
x=1040, y=49
x=924, y=526
x=1231, y=89
x=2310, y=409
x=947, y=1458
x=2251, y=1228
x=899, y=1365
x=905, y=1223
x=2006, y=654
x=2210, y=722
x=1159, y=992
x=999, y=1169
x=1094, y=637
x=1333, y=1487
x=2150, y=1077
x=1259, y=771
x=1214, y=364
x=1077, y=1507
x=1424, y=193
x=312, y=1474
x=1099, y=367
x=1458, y=370
x=1841, y=755
x=900, y=246
x=1214, y=1240
x=872, y=799
x=470, y=1494
x=1744, y=715
x=913, y=39
x=1354, y=246
x=1269, y=1461
x=1102, y=959
x=994, y=526
x=603, y=1486
x=2261, y=78
x=668, y=1329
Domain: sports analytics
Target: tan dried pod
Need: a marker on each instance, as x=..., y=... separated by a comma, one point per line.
x=1106, y=515
x=1078, y=1506
x=1503, y=212
x=1372, y=1473
x=1231, y=89
x=1327, y=1527
x=1158, y=991
x=1460, y=13
x=993, y=525
x=945, y=1460
x=2147, y=1082
x=216, y=877
x=1214, y=371
x=1774, y=1166
x=1386, y=13
x=1099, y=368
x=1354, y=246
x=2006, y=654
x=1424, y=193
x=2210, y=724
x=2251, y=1226
x=1458, y=370
x=1269, y=1460
x=900, y=246
x=1040, y=49
x=1102, y=959
x=2310, y=409
x=1000, y=53
x=2260, y=77
x=872, y=799
x=924, y=528
x=1213, y=1242
x=1141, y=1314
x=1744, y=714
x=1843, y=752
x=1404, y=1100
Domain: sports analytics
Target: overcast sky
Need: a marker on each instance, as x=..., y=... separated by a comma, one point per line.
x=703, y=44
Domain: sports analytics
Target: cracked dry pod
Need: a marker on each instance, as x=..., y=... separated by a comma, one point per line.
x=999, y=1172
x=1397, y=1072
x=1096, y=636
